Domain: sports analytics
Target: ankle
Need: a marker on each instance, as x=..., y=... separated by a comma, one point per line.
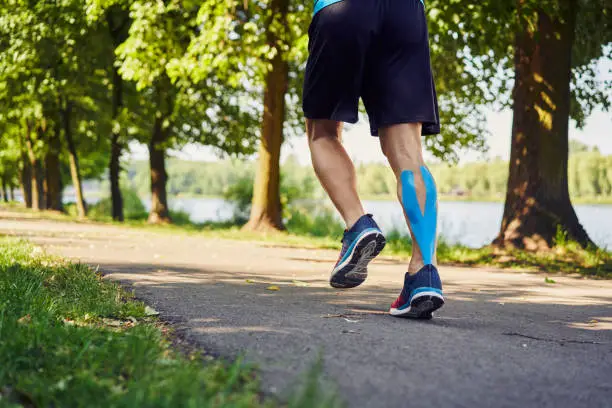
x=416, y=265
x=352, y=219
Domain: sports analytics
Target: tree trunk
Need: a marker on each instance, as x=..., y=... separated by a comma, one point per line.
x=36, y=182
x=5, y=194
x=53, y=179
x=266, y=211
x=75, y=171
x=115, y=157
x=26, y=179
x=118, y=20
x=157, y=161
x=537, y=200
x=12, y=192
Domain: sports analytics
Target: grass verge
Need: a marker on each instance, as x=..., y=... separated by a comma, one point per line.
x=324, y=232
x=69, y=338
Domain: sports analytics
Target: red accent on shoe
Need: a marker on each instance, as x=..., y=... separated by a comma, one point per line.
x=399, y=302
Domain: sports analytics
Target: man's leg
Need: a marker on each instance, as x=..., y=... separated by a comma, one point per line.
x=334, y=168
x=422, y=292
x=362, y=239
x=401, y=144
x=339, y=38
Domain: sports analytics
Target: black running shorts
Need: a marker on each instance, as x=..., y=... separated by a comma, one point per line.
x=374, y=49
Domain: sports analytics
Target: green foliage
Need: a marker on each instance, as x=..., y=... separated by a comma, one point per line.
x=70, y=338
x=180, y=218
x=313, y=221
x=240, y=194
x=52, y=62
x=133, y=207
x=472, y=55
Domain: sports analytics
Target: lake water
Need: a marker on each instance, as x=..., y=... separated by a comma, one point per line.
x=470, y=223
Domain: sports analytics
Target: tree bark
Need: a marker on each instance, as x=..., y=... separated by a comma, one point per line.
x=537, y=198
x=12, y=192
x=53, y=179
x=75, y=171
x=115, y=158
x=5, y=194
x=118, y=23
x=159, y=177
x=26, y=178
x=266, y=210
x=36, y=182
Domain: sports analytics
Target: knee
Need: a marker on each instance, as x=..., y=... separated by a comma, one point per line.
x=403, y=155
x=402, y=146
x=317, y=129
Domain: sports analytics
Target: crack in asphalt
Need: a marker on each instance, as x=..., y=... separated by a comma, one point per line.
x=561, y=342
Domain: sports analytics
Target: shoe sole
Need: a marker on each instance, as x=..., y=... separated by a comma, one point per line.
x=355, y=272
x=421, y=306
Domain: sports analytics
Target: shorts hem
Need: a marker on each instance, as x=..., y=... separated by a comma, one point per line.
x=430, y=127
x=337, y=118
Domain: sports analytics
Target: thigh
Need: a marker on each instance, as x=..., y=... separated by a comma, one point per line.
x=339, y=37
x=398, y=81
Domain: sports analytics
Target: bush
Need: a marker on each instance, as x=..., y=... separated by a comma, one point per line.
x=180, y=217
x=313, y=221
x=240, y=194
x=133, y=208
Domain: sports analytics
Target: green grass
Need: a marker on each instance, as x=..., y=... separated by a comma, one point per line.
x=565, y=257
x=70, y=339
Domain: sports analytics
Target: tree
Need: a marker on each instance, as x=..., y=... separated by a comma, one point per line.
x=118, y=22
x=254, y=51
x=266, y=211
x=53, y=177
x=555, y=44
x=171, y=57
x=36, y=174
x=553, y=58
x=159, y=33
x=50, y=77
x=75, y=169
x=9, y=164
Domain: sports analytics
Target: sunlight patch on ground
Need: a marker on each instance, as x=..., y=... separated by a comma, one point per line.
x=597, y=323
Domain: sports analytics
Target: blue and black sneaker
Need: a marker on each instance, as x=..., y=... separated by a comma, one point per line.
x=360, y=244
x=421, y=296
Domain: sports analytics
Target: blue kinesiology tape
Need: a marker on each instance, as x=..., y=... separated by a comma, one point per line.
x=423, y=224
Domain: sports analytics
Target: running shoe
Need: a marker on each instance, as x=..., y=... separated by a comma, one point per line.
x=421, y=295
x=360, y=244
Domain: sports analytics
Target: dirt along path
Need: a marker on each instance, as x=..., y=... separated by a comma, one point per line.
x=504, y=338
